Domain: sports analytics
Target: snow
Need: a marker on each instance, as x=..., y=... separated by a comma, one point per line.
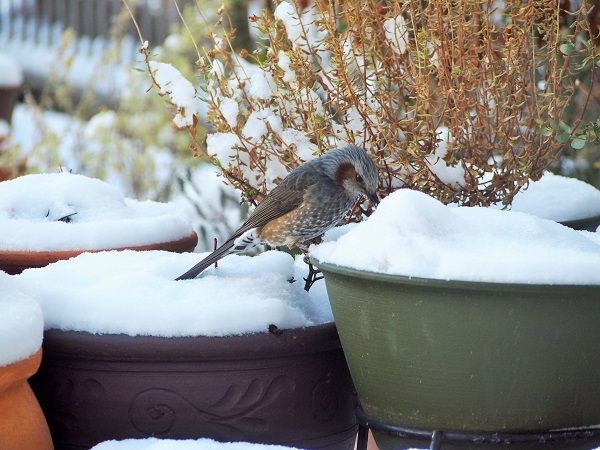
x=4, y=130
x=450, y=175
x=135, y=293
x=22, y=323
x=305, y=149
x=284, y=62
x=180, y=91
x=10, y=72
x=258, y=82
x=82, y=64
x=303, y=30
x=558, y=198
x=230, y=110
x=218, y=69
x=412, y=234
x=396, y=34
x=256, y=124
x=31, y=207
x=223, y=146
x=187, y=444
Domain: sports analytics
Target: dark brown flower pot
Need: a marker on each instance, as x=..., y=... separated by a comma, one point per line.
x=8, y=99
x=292, y=388
x=13, y=262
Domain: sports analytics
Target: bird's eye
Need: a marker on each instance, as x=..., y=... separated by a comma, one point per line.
x=359, y=178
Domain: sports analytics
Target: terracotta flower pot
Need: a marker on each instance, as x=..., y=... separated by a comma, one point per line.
x=22, y=423
x=8, y=100
x=13, y=262
x=291, y=388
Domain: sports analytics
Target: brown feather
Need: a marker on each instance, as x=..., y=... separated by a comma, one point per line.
x=345, y=171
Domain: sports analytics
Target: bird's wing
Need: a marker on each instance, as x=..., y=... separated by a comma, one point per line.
x=285, y=197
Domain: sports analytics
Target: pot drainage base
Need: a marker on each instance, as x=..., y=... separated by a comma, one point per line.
x=438, y=437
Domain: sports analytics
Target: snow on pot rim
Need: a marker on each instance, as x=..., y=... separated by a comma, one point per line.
x=558, y=198
x=63, y=211
x=414, y=235
x=184, y=444
x=134, y=293
x=21, y=324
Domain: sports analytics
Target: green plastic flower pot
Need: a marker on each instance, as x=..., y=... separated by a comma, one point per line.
x=470, y=356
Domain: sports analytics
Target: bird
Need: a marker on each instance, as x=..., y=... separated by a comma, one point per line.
x=311, y=199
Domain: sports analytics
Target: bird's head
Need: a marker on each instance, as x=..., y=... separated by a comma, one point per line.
x=354, y=171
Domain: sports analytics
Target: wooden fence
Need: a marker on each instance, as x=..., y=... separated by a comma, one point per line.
x=41, y=21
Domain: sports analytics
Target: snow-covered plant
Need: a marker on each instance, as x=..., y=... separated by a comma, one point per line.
x=462, y=100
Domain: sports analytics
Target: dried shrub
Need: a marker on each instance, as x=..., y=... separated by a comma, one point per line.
x=461, y=99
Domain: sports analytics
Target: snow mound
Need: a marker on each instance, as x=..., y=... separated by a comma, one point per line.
x=22, y=323
x=413, y=234
x=62, y=211
x=10, y=72
x=135, y=293
x=187, y=444
x=558, y=198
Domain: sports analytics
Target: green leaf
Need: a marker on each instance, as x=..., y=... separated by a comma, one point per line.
x=578, y=143
x=563, y=138
x=567, y=49
x=563, y=126
x=547, y=131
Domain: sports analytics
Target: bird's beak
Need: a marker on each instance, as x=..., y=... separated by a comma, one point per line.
x=373, y=198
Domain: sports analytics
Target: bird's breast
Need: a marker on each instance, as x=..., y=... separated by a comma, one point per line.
x=278, y=231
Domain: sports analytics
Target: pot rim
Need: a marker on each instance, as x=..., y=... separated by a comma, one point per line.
x=122, y=347
x=435, y=283
x=21, y=370
x=183, y=242
x=583, y=221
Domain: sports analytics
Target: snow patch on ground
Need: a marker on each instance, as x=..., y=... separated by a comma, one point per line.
x=21, y=323
x=413, y=234
x=187, y=444
x=10, y=72
x=558, y=198
x=63, y=211
x=135, y=293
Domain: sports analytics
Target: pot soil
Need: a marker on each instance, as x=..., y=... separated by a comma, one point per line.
x=468, y=356
x=15, y=262
x=8, y=99
x=291, y=388
x=22, y=423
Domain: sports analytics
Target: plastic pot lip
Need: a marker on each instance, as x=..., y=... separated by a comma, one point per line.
x=434, y=283
x=582, y=223
x=82, y=345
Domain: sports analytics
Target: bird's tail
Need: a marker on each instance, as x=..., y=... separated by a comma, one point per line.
x=237, y=245
x=219, y=253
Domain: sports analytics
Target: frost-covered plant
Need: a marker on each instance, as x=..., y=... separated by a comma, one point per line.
x=463, y=100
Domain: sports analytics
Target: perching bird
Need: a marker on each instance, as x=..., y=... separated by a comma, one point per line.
x=310, y=200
